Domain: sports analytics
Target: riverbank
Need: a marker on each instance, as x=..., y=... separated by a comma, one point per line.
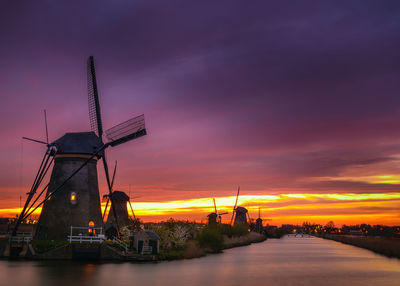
x=235, y=241
x=106, y=251
x=194, y=250
x=382, y=245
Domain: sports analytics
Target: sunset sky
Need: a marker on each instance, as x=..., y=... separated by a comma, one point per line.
x=296, y=102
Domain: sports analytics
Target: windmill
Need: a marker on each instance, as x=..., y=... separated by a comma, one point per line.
x=72, y=197
x=259, y=225
x=239, y=213
x=212, y=217
x=120, y=199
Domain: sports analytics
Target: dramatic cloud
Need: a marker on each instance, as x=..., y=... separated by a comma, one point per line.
x=280, y=98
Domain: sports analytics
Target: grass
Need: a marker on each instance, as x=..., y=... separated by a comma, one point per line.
x=3, y=242
x=382, y=245
x=43, y=246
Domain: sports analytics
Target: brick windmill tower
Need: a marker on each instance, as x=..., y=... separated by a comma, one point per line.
x=239, y=213
x=72, y=197
x=120, y=200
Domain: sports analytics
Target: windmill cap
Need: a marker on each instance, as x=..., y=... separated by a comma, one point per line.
x=241, y=210
x=120, y=196
x=78, y=143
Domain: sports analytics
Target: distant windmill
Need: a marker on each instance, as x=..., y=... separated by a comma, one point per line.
x=212, y=217
x=121, y=200
x=259, y=225
x=239, y=213
x=72, y=197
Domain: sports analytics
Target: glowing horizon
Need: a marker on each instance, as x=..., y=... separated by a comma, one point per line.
x=343, y=208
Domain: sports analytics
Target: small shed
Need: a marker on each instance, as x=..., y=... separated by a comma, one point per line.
x=146, y=242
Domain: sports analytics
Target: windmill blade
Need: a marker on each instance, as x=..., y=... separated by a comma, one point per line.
x=237, y=197
x=34, y=140
x=105, y=209
x=223, y=213
x=126, y=131
x=133, y=214
x=93, y=96
x=113, y=177
x=105, y=165
x=215, y=206
x=234, y=207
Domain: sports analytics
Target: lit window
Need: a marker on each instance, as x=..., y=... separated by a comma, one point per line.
x=91, y=227
x=73, y=198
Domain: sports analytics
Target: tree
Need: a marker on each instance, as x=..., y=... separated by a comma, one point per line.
x=330, y=225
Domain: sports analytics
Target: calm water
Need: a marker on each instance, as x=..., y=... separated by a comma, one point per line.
x=288, y=261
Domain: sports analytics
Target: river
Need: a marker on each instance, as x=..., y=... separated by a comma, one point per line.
x=287, y=261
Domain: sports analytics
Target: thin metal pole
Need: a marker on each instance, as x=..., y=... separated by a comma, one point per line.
x=45, y=123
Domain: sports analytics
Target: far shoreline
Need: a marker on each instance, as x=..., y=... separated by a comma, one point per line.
x=389, y=247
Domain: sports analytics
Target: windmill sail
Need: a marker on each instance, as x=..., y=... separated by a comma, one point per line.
x=126, y=131
x=234, y=207
x=94, y=105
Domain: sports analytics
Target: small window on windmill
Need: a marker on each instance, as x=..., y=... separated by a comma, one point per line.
x=73, y=198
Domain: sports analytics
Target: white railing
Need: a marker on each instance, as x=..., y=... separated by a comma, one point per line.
x=21, y=237
x=147, y=250
x=85, y=237
x=121, y=243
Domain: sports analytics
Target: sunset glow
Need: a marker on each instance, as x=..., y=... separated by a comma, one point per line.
x=284, y=208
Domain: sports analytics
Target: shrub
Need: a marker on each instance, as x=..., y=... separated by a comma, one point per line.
x=210, y=238
x=239, y=230
x=280, y=232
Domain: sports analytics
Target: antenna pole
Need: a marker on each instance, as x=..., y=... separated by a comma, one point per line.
x=45, y=123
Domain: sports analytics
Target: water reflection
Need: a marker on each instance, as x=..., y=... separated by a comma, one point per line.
x=289, y=261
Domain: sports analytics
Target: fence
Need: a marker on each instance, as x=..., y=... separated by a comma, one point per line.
x=86, y=238
x=121, y=243
x=21, y=237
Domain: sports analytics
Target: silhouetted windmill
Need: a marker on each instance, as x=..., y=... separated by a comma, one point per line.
x=212, y=217
x=259, y=225
x=239, y=213
x=72, y=197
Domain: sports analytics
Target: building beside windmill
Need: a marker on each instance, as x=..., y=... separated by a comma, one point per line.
x=77, y=202
x=146, y=242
